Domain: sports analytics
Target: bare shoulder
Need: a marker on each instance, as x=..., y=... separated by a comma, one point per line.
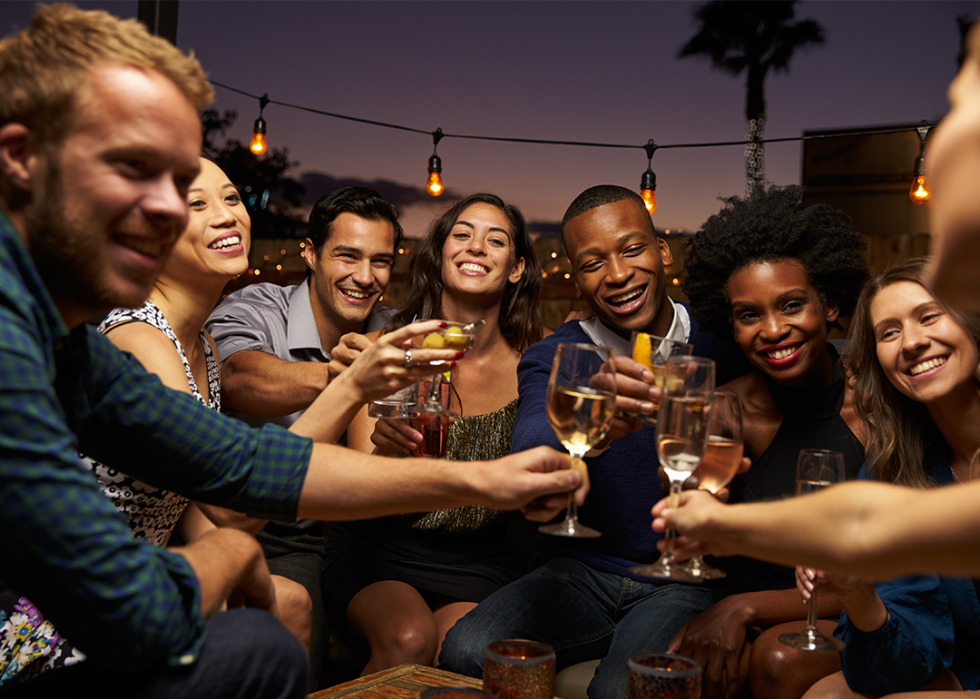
x=154, y=350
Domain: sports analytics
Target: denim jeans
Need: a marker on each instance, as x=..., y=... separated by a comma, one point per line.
x=583, y=614
x=247, y=654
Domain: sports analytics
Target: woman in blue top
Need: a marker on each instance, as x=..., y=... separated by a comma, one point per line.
x=917, y=390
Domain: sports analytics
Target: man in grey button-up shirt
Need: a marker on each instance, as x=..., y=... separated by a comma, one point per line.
x=275, y=346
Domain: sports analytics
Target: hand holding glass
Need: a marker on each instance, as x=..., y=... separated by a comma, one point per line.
x=682, y=426
x=722, y=457
x=815, y=470
x=653, y=352
x=580, y=404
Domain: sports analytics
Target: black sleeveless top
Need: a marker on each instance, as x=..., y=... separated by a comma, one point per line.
x=811, y=420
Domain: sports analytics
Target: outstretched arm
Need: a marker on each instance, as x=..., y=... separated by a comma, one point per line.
x=872, y=530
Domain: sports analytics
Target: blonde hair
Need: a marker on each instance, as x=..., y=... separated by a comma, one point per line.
x=43, y=67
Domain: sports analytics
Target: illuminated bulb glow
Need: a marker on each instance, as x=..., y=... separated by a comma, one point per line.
x=920, y=192
x=258, y=144
x=434, y=185
x=650, y=199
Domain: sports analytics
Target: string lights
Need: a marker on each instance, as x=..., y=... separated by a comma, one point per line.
x=259, y=144
x=648, y=182
x=920, y=192
x=434, y=184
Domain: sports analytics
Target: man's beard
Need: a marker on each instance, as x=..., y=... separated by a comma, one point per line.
x=65, y=254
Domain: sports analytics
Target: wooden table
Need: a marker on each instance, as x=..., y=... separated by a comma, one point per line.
x=401, y=682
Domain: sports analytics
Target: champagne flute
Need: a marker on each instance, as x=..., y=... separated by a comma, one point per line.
x=580, y=404
x=652, y=352
x=682, y=426
x=815, y=470
x=455, y=336
x=722, y=456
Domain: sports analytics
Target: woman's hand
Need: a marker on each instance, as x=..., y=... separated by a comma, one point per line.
x=858, y=596
x=395, y=436
x=380, y=369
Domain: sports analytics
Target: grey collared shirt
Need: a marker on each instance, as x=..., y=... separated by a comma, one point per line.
x=277, y=320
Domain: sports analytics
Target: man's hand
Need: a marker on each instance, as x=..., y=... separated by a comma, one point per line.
x=635, y=395
x=348, y=349
x=230, y=567
x=525, y=480
x=715, y=639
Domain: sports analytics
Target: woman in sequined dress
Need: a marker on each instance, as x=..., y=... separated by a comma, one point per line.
x=401, y=582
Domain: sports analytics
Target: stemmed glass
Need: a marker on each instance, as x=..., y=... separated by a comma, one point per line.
x=455, y=336
x=580, y=404
x=722, y=456
x=682, y=429
x=815, y=470
x=652, y=352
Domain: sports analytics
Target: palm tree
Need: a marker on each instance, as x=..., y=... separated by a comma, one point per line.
x=752, y=37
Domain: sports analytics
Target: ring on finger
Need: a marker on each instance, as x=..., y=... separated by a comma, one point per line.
x=408, y=359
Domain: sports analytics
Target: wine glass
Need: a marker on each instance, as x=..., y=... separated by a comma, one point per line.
x=457, y=336
x=580, y=404
x=682, y=428
x=815, y=470
x=722, y=456
x=652, y=352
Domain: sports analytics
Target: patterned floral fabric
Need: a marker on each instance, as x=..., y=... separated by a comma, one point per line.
x=29, y=643
x=153, y=513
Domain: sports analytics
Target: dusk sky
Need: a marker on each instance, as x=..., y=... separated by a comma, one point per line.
x=583, y=71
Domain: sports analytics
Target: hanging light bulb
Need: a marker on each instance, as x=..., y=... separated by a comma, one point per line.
x=434, y=185
x=920, y=192
x=648, y=183
x=259, y=145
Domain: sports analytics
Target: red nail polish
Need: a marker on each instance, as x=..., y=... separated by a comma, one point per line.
x=443, y=324
x=452, y=364
x=460, y=355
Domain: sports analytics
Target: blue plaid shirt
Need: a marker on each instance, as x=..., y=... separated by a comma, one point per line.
x=62, y=544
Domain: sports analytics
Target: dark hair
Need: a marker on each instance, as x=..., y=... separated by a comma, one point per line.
x=898, y=427
x=769, y=226
x=360, y=201
x=520, y=314
x=597, y=196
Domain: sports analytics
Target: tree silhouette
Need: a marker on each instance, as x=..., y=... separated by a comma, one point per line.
x=754, y=38
x=269, y=193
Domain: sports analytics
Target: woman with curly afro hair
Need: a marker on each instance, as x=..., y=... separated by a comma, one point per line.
x=774, y=275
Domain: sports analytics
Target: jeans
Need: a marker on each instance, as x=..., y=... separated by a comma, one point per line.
x=247, y=654
x=583, y=614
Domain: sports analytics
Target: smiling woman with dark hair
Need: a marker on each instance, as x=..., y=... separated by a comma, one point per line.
x=401, y=582
x=775, y=275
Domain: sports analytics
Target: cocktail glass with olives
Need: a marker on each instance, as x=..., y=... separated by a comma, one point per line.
x=456, y=336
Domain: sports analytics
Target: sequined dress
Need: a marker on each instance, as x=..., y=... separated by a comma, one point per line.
x=462, y=553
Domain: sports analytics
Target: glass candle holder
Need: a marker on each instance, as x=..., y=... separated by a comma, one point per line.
x=662, y=676
x=519, y=669
x=454, y=693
